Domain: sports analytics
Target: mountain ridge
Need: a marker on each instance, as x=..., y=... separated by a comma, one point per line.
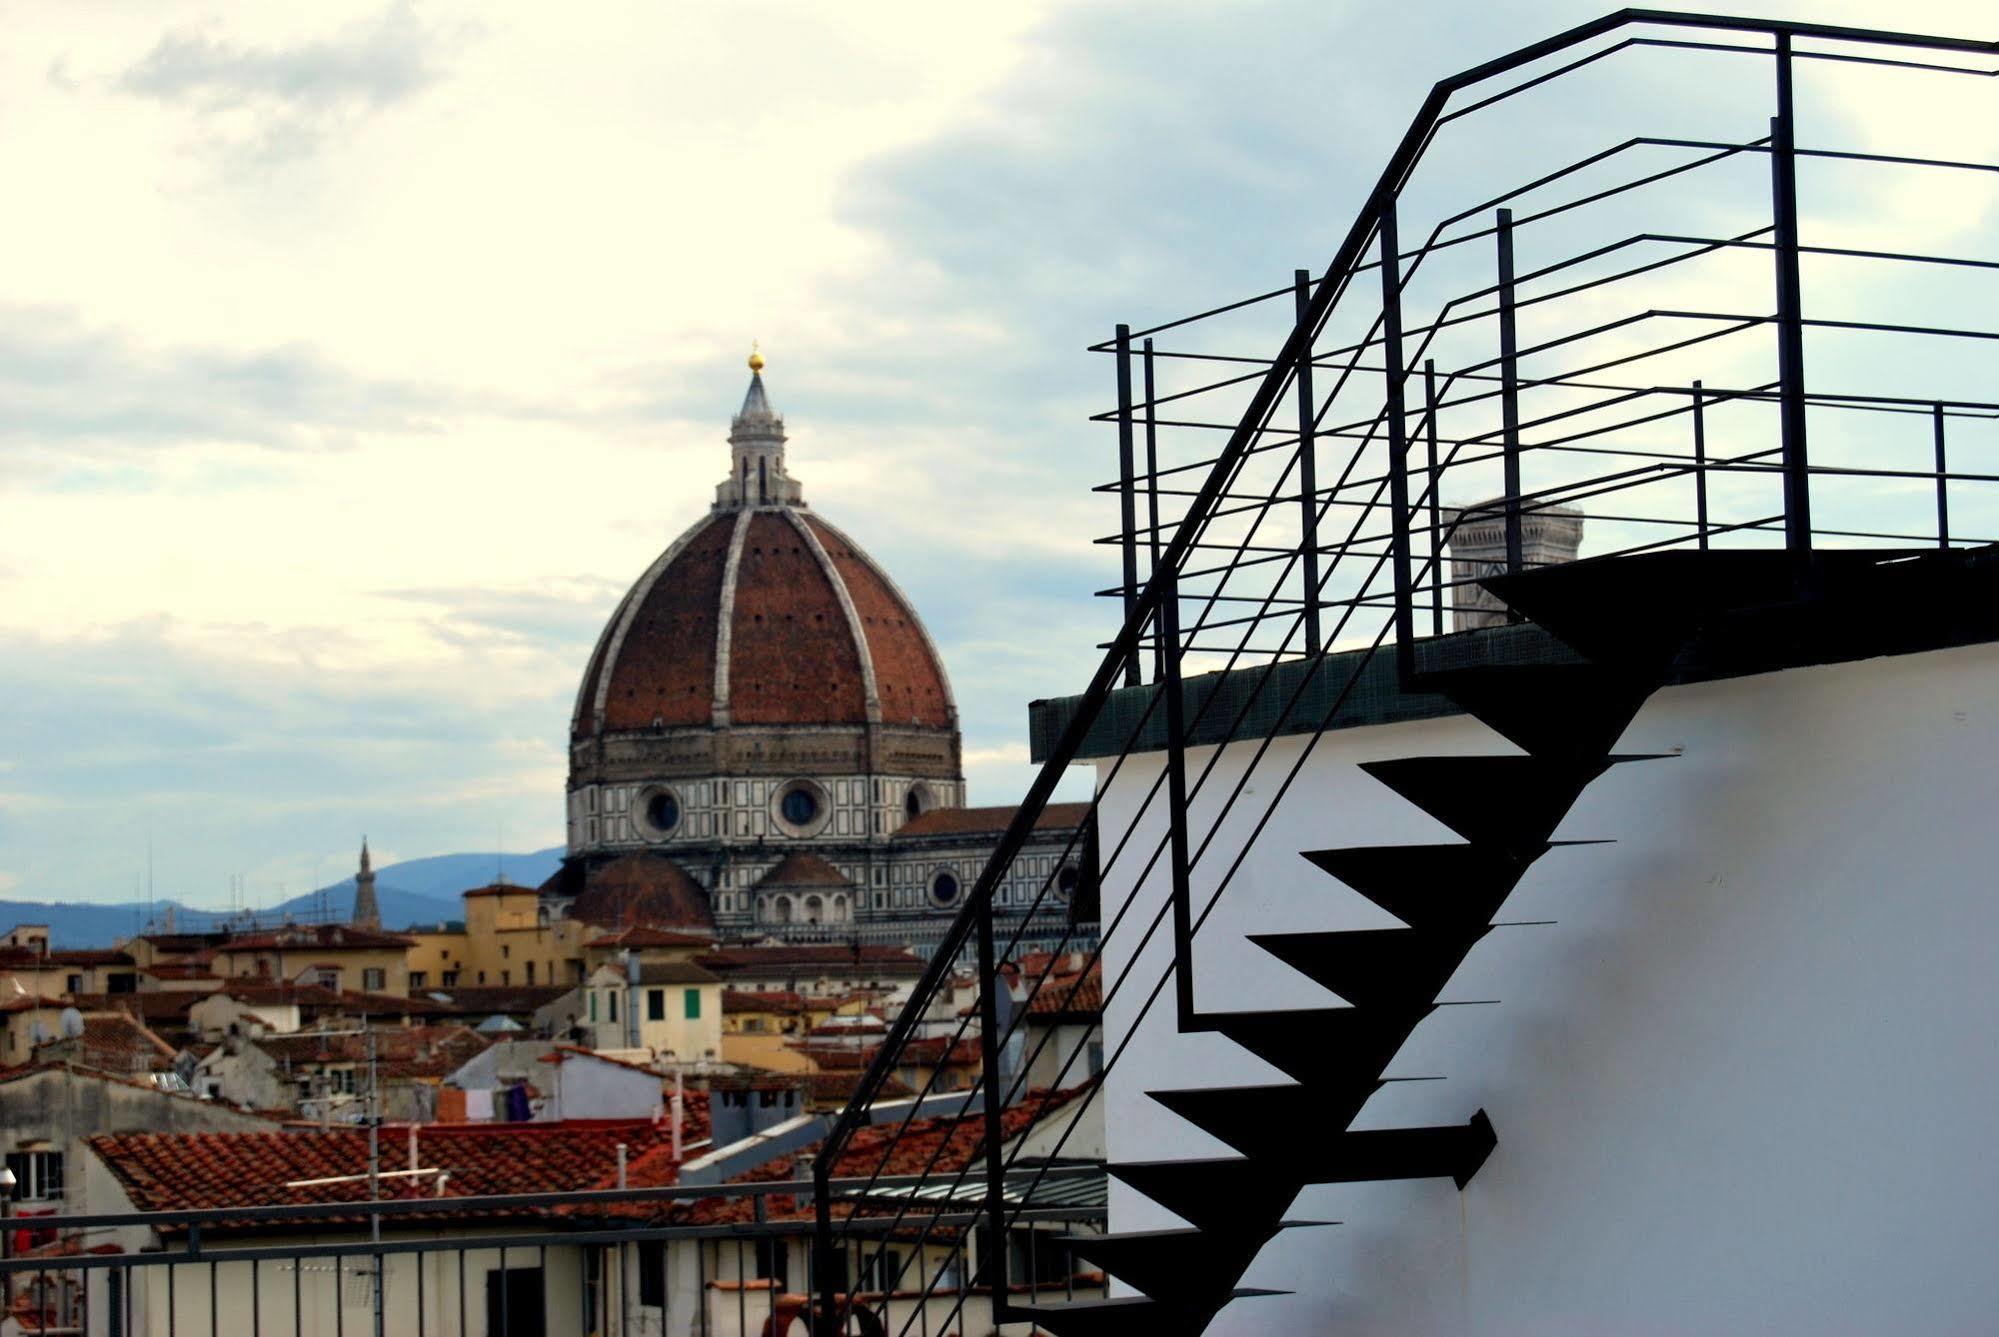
x=414, y=893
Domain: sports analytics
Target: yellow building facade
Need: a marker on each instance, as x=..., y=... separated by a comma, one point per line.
x=506, y=940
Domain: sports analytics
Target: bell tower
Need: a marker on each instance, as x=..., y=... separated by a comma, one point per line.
x=367, y=914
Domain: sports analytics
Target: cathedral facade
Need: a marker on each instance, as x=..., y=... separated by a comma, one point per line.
x=765, y=740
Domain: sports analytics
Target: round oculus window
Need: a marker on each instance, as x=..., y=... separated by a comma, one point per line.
x=1065, y=881
x=656, y=812
x=799, y=806
x=944, y=888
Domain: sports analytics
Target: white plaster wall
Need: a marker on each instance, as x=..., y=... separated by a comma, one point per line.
x=1745, y=1083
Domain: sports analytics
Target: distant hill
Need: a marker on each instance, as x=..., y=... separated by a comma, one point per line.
x=417, y=893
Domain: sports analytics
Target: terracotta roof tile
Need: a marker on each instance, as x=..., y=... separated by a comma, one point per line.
x=400, y=1052
x=792, y=659
x=639, y=888
x=665, y=667
x=915, y=1147
x=734, y=960
x=908, y=677
x=646, y=936
x=194, y=1171
x=499, y=889
x=483, y=1000
x=153, y=1006
x=315, y=938
x=1069, y=995
x=988, y=821
x=116, y=1042
x=802, y=869
x=752, y=1000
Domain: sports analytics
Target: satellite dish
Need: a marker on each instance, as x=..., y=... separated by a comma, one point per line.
x=72, y=1023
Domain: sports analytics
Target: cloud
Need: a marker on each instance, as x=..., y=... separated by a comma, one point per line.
x=270, y=103
x=65, y=385
x=233, y=739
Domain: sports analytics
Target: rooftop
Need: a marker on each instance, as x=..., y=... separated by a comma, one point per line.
x=196, y=1171
x=988, y=821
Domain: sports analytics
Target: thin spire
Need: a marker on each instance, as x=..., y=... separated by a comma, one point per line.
x=367, y=913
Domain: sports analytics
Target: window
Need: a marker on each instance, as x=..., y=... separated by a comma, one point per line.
x=652, y=1273
x=530, y=972
x=799, y=807
x=448, y=980
x=593, y=1005
x=663, y=811
x=506, y=952
x=419, y=978
x=773, y=1260
x=693, y=1005
x=37, y=1175
x=327, y=978
x=373, y=979
x=73, y=984
x=882, y=1271
x=944, y=887
x=655, y=1005
x=613, y=999
x=506, y=977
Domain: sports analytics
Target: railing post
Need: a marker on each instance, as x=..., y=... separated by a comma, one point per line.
x=1436, y=499
x=1700, y=467
x=1176, y=802
x=989, y=1070
x=1152, y=481
x=1398, y=441
x=829, y=1263
x=1127, y=499
x=1943, y=470
x=1509, y=396
x=1790, y=312
x=1308, y=468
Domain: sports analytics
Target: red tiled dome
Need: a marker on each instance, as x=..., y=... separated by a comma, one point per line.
x=637, y=888
x=811, y=630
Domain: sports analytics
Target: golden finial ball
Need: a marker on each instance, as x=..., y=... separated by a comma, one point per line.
x=756, y=358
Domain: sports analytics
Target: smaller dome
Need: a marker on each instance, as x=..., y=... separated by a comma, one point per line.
x=801, y=870
x=635, y=889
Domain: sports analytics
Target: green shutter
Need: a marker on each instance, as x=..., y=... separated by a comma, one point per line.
x=693, y=1004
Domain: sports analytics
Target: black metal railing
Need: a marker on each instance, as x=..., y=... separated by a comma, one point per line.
x=1701, y=309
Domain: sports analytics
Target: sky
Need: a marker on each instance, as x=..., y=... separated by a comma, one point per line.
x=355, y=358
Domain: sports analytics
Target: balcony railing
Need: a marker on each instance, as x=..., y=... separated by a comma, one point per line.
x=718, y=1260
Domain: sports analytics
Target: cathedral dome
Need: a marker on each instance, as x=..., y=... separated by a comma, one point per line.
x=762, y=613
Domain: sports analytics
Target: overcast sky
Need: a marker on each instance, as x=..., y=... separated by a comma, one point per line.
x=354, y=358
